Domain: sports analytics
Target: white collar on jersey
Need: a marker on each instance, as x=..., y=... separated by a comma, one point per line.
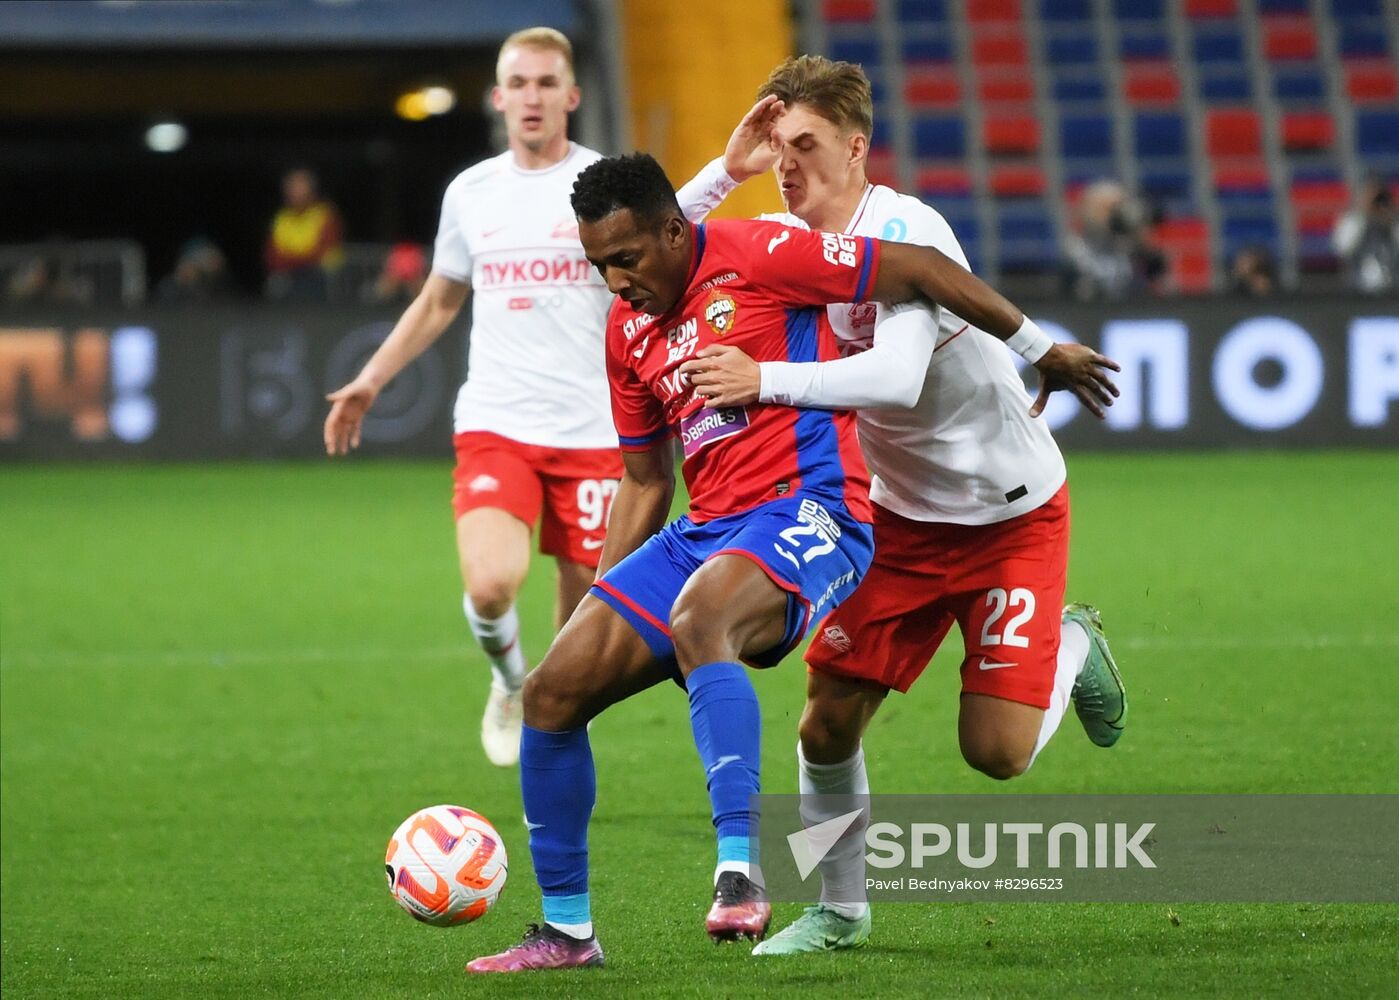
x=859, y=208
x=515, y=166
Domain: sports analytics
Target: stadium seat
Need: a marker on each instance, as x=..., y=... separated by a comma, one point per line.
x=1377, y=133
x=1349, y=9
x=1243, y=230
x=1243, y=178
x=1079, y=90
x=1011, y=134
x=882, y=168
x=1168, y=184
x=1289, y=38
x=1233, y=132
x=1006, y=88
x=1266, y=7
x=1371, y=81
x=1317, y=204
x=848, y=11
x=1017, y=181
x=927, y=50
x=944, y=182
x=940, y=138
x=1027, y=242
x=1211, y=8
x=1000, y=50
x=1159, y=135
x=1153, y=45
x=858, y=50
x=1225, y=84
x=922, y=11
x=1072, y=50
x=993, y=11
x=1362, y=42
x=1217, y=47
x=1307, y=130
x=929, y=87
x=1060, y=11
x=1085, y=136
x=1298, y=85
x=1151, y=83
x=1139, y=10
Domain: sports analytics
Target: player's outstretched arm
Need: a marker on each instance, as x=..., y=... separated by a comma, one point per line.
x=642, y=504
x=907, y=272
x=420, y=325
x=890, y=374
x=750, y=152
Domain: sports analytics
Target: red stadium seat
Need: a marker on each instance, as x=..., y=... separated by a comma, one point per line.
x=1011, y=134
x=1190, y=273
x=1371, y=81
x=1233, y=132
x=1017, y=88
x=1000, y=50
x=849, y=11
x=881, y=168
x=993, y=11
x=1151, y=83
x=1017, y=181
x=1181, y=234
x=1242, y=177
x=932, y=88
x=1211, y=8
x=1317, y=204
x=944, y=181
x=1307, y=130
x=1289, y=38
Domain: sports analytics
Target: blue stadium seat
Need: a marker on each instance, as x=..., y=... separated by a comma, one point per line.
x=1162, y=184
x=1082, y=89
x=1233, y=85
x=1223, y=46
x=1304, y=86
x=861, y=51
x=1066, y=10
x=1087, y=170
x=1150, y=45
x=880, y=138
x=1082, y=136
x=1232, y=198
x=1139, y=10
x=940, y=138
x=1072, y=50
x=923, y=11
x=1159, y=135
x=916, y=50
x=1348, y=9
x=1027, y=242
x=1283, y=6
x=1239, y=231
x=1360, y=41
x=1377, y=133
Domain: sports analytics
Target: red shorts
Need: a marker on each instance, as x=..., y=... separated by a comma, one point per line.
x=572, y=487
x=1002, y=583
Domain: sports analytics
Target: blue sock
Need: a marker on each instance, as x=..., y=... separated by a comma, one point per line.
x=728, y=734
x=559, y=789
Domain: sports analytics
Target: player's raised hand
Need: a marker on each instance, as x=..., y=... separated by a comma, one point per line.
x=752, y=150
x=348, y=405
x=1081, y=370
x=723, y=376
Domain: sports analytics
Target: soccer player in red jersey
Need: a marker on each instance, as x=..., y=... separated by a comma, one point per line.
x=778, y=528
x=970, y=495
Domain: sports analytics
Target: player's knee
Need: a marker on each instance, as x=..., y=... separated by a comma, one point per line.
x=551, y=703
x=827, y=737
x=696, y=638
x=998, y=760
x=491, y=596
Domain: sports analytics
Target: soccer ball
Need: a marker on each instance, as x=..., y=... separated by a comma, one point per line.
x=446, y=865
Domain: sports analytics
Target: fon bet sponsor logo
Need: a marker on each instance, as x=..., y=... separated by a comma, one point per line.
x=838, y=249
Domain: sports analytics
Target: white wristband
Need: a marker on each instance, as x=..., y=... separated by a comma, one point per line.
x=1030, y=342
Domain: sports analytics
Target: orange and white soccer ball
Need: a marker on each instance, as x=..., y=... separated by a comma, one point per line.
x=446, y=865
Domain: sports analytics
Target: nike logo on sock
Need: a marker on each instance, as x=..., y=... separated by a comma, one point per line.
x=726, y=759
x=531, y=827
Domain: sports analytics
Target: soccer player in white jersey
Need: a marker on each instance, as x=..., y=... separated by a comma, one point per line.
x=533, y=427
x=971, y=502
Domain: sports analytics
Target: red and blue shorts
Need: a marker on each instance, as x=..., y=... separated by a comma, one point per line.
x=1002, y=583
x=809, y=547
x=570, y=488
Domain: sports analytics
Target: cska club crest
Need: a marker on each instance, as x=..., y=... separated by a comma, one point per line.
x=720, y=313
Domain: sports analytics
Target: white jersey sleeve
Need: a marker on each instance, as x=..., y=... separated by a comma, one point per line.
x=706, y=190
x=890, y=373
x=451, y=256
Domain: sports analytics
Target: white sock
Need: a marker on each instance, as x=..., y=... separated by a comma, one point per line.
x=500, y=640
x=1073, y=654
x=840, y=788
x=580, y=931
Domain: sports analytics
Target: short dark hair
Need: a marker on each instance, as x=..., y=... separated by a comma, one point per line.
x=635, y=182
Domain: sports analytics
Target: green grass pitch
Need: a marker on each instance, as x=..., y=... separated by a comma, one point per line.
x=221, y=688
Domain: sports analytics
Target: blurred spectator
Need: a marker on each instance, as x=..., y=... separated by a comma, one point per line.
x=403, y=274
x=1254, y=272
x=1367, y=239
x=200, y=275
x=305, y=241
x=42, y=278
x=1108, y=255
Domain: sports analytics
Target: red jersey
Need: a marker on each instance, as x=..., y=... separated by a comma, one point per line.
x=761, y=287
